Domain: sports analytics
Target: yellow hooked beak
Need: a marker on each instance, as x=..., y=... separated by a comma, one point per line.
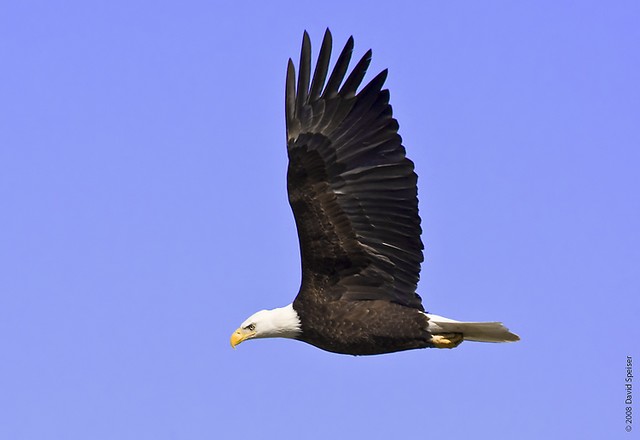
x=240, y=335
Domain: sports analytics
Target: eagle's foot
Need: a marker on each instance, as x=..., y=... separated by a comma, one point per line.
x=447, y=340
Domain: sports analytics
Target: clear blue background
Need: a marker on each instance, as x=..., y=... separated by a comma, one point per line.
x=144, y=216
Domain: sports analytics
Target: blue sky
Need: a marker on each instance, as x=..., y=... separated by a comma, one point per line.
x=144, y=216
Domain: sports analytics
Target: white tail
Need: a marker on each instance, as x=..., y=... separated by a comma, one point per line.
x=472, y=331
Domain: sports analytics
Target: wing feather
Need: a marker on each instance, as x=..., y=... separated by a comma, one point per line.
x=351, y=188
x=322, y=67
x=339, y=70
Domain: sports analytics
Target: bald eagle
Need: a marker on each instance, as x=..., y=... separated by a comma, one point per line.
x=354, y=197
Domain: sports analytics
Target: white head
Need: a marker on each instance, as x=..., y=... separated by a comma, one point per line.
x=277, y=323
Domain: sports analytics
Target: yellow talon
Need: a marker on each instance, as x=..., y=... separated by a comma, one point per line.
x=448, y=340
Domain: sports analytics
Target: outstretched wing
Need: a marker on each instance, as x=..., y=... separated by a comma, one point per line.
x=351, y=187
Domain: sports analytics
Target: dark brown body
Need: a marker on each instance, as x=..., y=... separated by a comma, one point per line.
x=362, y=327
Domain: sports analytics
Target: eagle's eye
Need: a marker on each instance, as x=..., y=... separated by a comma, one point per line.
x=251, y=327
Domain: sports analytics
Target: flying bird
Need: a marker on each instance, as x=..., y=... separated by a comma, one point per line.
x=354, y=198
